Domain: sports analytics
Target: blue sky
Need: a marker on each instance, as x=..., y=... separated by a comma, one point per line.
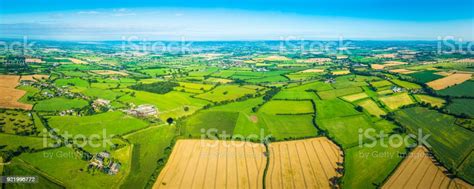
x=236, y=20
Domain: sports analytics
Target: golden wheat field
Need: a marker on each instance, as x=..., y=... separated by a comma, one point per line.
x=419, y=170
x=309, y=163
x=9, y=94
x=448, y=81
x=213, y=164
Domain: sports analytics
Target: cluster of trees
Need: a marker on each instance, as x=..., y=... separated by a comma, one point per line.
x=158, y=87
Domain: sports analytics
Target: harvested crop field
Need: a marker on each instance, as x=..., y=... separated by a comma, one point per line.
x=109, y=72
x=402, y=71
x=312, y=71
x=341, y=72
x=419, y=170
x=213, y=164
x=312, y=163
x=448, y=81
x=9, y=95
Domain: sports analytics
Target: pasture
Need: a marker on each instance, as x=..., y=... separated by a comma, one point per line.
x=213, y=164
x=73, y=173
x=287, y=107
x=309, y=163
x=226, y=93
x=331, y=94
x=361, y=161
x=60, y=104
x=294, y=95
x=17, y=122
x=149, y=146
x=109, y=123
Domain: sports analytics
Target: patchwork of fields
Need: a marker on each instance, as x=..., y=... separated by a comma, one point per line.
x=238, y=120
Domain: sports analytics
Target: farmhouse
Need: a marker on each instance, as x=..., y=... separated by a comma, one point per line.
x=143, y=110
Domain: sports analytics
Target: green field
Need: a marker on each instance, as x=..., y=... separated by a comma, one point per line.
x=78, y=82
x=207, y=121
x=345, y=130
x=331, y=94
x=367, y=166
x=450, y=143
x=284, y=127
x=169, y=105
x=425, y=76
x=21, y=168
x=30, y=92
x=287, y=107
x=406, y=84
x=111, y=123
x=72, y=172
x=148, y=147
x=17, y=122
x=334, y=108
x=462, y=107
x=60, y=104
x=294, y=95
x=317, y=86
x=463, y=89
x=226, y=93
x=12, y=142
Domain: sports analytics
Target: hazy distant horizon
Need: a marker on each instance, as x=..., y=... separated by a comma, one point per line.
x=230, y=21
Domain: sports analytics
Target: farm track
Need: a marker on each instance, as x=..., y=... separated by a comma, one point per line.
x=419, y=170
